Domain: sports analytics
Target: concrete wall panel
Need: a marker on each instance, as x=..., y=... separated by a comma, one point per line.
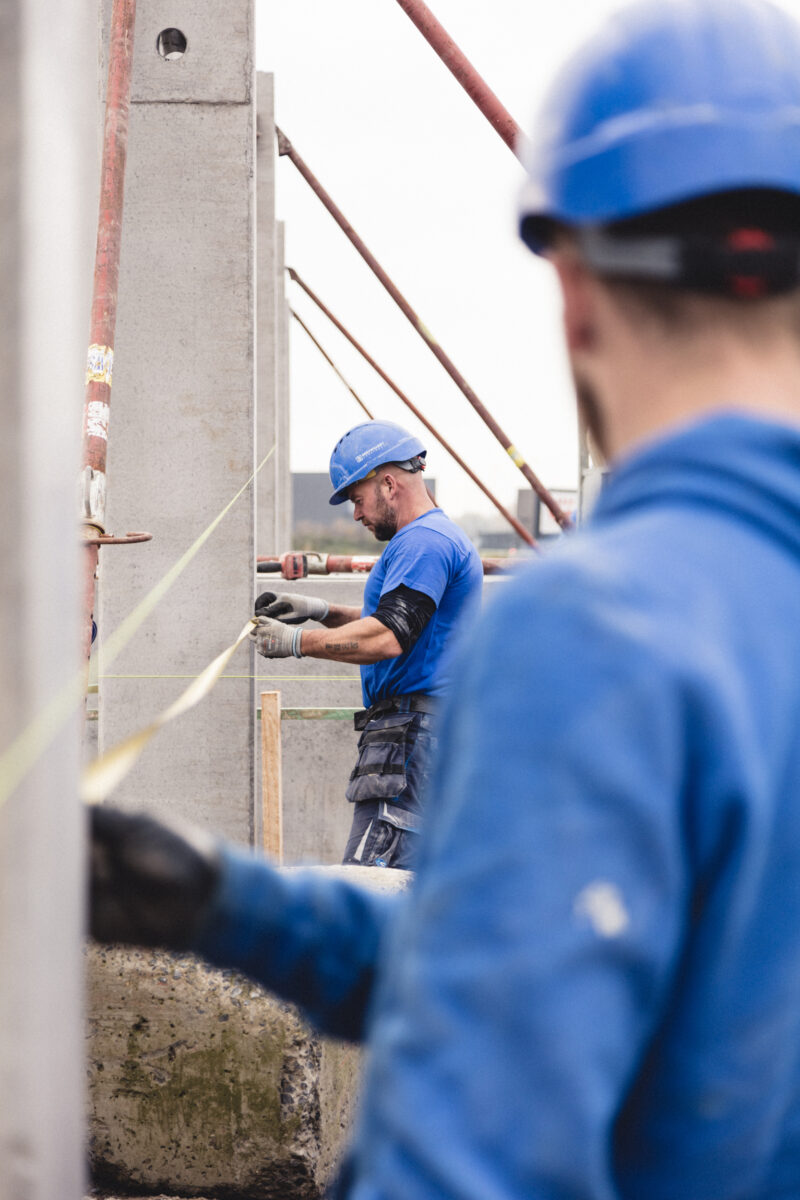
x=181, y=439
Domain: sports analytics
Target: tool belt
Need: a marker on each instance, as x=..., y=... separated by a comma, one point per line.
x=414, y=702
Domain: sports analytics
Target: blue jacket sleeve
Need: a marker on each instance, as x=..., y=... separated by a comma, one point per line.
x=531, y=964
x=313, y=940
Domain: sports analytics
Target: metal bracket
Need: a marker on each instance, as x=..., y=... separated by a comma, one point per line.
x=109, y=539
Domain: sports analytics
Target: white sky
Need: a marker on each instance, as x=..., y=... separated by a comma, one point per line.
x=431, y=189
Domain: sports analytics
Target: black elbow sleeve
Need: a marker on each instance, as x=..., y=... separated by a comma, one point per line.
x=406, y=612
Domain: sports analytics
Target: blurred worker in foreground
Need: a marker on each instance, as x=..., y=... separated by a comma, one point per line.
x=593, y=990
x=425, y=584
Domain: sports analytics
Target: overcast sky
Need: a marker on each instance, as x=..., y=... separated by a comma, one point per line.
x=431, y=188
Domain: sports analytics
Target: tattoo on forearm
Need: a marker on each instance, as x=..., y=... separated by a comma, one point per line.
x=339, y=647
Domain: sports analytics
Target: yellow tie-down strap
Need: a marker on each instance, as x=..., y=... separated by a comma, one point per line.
x=106, y=772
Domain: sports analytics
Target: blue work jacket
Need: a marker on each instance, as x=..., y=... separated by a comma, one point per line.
x=592, y=991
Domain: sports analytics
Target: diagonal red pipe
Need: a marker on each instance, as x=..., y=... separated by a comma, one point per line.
x=473, y=84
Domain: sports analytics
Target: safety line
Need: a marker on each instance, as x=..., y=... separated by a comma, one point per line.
x=108, y=770
x=21, y=755
x=258, y=678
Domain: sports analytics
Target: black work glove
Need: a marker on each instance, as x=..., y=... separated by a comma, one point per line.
x=291, y=608
x=150, y=884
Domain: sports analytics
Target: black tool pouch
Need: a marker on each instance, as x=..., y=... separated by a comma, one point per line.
x=380, y=772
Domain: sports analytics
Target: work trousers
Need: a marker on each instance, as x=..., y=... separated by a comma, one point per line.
x=387, y=788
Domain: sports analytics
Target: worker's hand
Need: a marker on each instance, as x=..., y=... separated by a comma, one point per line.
x=150, y=884
x=273, y=639
x=291, y=607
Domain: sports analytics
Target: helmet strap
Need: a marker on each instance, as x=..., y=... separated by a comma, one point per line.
x=747, y=263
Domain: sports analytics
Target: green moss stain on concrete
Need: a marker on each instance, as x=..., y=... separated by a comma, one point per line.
x=222, y=1091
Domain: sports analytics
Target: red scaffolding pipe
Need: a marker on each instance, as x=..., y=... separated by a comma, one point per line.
x=299, y=564
x=104, y=297
x=286, y=148
x=513, y=522
x=459, y=65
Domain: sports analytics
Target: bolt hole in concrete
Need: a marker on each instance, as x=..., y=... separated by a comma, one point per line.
x=171, y=44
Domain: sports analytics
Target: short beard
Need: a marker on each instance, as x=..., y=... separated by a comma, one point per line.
x=385, y=526
x=591, y=414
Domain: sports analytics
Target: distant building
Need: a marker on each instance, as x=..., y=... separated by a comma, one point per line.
x=536, y=516
x=492, y=535
x=326, y=527
x=311, y=492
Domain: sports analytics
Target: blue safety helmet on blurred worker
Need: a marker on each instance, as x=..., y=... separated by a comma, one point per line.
x=367, y=446
x=670, y=149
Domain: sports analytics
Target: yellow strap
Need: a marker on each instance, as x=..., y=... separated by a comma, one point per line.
x=107, y=772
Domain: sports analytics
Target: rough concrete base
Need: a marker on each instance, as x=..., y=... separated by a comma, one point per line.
x=203, y=1085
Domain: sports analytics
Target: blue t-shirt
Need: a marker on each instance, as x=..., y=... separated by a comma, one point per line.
x=431, y=555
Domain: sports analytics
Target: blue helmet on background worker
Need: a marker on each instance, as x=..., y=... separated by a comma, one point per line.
x=673, y=102
x=367, y=446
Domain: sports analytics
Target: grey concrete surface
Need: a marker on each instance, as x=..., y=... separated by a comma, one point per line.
x=283, y=496
x=202, y=1083
x=181, y=439
x=217, y=67
x=48, y=204
x=317, y=755
x=269, y=285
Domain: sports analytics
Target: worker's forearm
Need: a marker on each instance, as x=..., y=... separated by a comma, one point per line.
x=363, y=641
x=341, y=614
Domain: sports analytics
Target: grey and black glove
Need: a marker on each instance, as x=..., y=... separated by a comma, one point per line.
x=150, y=884
x=291, y=607
x=273, y=639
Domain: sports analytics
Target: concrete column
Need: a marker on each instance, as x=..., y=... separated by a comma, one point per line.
x=284, y=522
x=267, y=432
x=181, y=440
x=48, y=204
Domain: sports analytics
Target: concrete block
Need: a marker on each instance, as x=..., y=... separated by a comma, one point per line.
x=201, y=1083
x=318, y=757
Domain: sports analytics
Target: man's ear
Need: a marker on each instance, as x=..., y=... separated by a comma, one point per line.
x=389, y=482
x=578, y=289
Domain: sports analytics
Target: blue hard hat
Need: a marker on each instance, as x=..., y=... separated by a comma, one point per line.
x=673, y=101
x=368, y=446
